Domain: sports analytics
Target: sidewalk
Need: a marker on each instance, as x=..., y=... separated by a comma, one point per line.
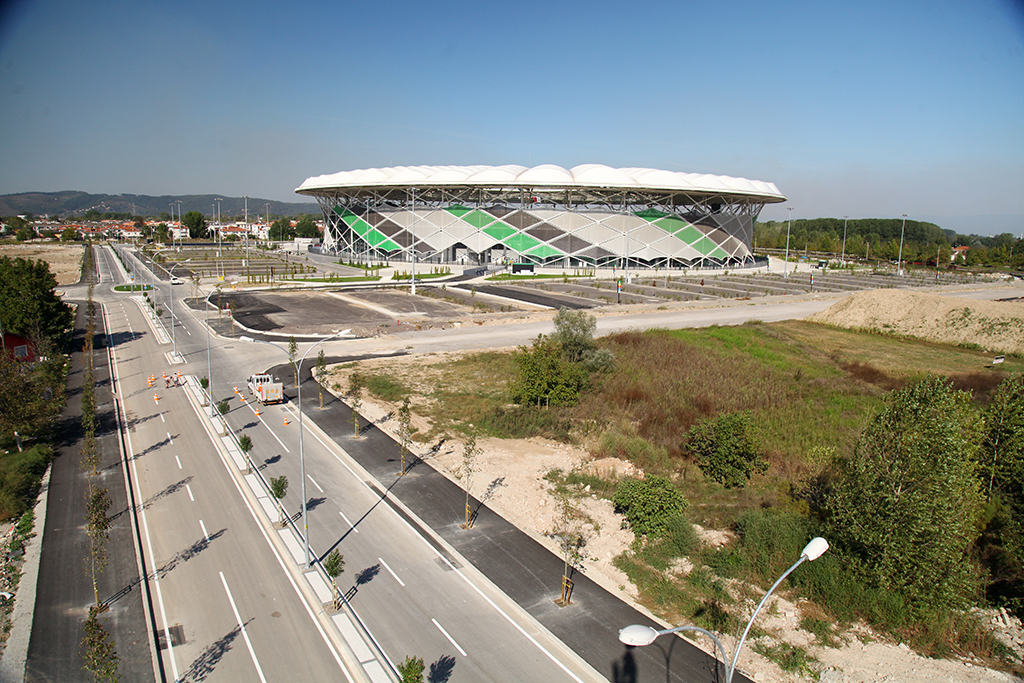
x=63, y=591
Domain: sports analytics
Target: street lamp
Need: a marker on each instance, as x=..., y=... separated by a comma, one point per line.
x=638, y=635
x=209, y=369
x=842, y=259
x=899, y=261
x=302, y=458
x=785, y=266
x=170, y=295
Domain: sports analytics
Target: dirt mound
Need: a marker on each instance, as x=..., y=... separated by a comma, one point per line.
x=996, y=326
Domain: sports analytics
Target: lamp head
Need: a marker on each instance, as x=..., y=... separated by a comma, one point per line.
x=815, y=549
x=637, y=635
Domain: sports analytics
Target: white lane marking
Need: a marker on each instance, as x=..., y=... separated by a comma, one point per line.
x=205, y=535
x=162, y=418
x=392, y=572
x=169, y=438
x=450, y=639
x=179, y=462
x=272, y=433
x=190, y=496
x=315, y=484
x=245, y=635
x=348, y=522
x=258, y=521
x=149, y=543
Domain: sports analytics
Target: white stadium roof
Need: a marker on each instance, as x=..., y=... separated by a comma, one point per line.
x=546, y=175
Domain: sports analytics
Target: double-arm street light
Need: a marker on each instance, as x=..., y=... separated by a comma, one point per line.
x=638, y=635
x=302, y=458
x=170, y=295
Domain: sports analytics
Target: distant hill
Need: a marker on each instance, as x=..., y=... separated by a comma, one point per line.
x=72, y=203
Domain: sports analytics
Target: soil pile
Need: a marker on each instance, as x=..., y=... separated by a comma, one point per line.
x=996, y=326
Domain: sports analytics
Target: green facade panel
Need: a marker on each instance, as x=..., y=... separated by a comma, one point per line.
x=499, y=232
x=545, y=251
x=520, y=242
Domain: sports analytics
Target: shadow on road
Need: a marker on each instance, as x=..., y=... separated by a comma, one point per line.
x=441, y=670
x=188, y=553
x=208, y=660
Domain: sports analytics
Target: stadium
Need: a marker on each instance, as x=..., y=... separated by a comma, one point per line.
x=587, y=216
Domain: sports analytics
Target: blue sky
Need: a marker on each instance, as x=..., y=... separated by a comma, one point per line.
x=866, y=109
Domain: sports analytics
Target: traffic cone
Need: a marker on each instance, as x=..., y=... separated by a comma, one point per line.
x=286, y=422
x=156, y=399
x=236, y=390
x=257, y=412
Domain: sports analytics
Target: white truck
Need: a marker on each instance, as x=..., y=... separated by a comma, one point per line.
x=266, y=389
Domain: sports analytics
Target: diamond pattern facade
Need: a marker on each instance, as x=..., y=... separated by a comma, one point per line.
x=562, y=224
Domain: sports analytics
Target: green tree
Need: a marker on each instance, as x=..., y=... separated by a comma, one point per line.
x=334, y=565
x=69, y=235
x=163, y=233
x=29, y=305
x=98, y=651
x=321, y=375
x=97, y=528
x=725, y=449
x=574, y=333
x=404, y=431
x=281, y=230
x=571, y=540
x=904, y=506
x=196, y=224
x=411, y=670
x=649, y=504
x=355, y=395
x=245, y=445
x=1002, y=451
x=279, y=489
x=545, y=375
x=293, y=355
x=470, y=451
x=306, y=227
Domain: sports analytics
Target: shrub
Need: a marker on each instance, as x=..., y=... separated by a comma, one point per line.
x=545, y=376
x=725, y=449
x=649, y=504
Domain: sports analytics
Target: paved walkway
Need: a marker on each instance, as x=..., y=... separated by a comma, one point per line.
x=64, y=591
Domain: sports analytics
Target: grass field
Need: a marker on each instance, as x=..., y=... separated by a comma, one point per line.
x=810, y=391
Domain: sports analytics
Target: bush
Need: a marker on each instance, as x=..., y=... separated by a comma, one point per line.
x=544, y=376
x=725, y=449
x=649, y=504
x=20, y=473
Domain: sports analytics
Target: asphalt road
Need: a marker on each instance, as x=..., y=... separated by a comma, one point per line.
x=423, y=586
x=222, y=599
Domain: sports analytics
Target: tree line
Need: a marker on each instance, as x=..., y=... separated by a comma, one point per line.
x=879, y=239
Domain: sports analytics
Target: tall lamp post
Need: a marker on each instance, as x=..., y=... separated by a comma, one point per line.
x=842, y=259
x=246, y=232
x=785, y=265
x=209, y=368
x=899, y=261
x=170, y=295
x=638, y=635
x=302, y=458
